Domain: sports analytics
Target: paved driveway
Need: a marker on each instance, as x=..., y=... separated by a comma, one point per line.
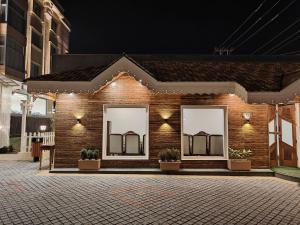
x=27, y=197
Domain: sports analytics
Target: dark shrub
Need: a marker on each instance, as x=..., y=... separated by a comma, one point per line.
x=90, y=154
x=4, y=150
x=83, y=154
x=96, y=154
x=169, y=155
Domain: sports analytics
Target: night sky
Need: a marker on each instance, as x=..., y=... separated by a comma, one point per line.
x=165, y=26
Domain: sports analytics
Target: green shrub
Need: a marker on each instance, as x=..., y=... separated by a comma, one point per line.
x=83, y=154
x=239, y=153
x=4, y=150
x=90, y=154
x=169, y=155
x=10, y=149
x=96, y=154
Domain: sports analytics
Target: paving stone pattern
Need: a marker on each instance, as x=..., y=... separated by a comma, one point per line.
x=27, y=197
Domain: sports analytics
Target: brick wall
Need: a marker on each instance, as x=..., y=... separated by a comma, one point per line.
x=70, y=138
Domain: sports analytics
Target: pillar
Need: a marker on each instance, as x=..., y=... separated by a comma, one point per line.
x=5, y=104
x=297, y=111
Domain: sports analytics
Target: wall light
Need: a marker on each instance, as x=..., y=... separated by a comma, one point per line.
x=43, y=128
x=247, y=116
x=78, y=121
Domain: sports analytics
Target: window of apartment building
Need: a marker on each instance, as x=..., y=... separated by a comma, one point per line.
x=16, y=100
x=39, y=106
x=37, y=9
x=14, y=57
x=35, y=70
x=54, y=25
x=125, y=132
x=204, y=132
x=53, y=49
x=2, y=49
x=3, y=13
x=16, y=17
x=36, y=39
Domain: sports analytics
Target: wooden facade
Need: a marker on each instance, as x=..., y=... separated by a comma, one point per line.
x=71, y=137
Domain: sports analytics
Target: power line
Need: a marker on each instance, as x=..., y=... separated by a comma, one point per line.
x=266, y=44
x=291, y=53
x=282, y=42
x=245, y=21
x=257, y=21
x=290, y=41
x=270, y=21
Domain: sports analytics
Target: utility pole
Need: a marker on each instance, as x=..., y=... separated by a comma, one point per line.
x=223, y=51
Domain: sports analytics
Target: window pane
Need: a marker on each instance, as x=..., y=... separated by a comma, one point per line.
x=271, y=132
x=37, y=9
x=16, y=17
x=16, y=102
x=14, y=55
x=287, y=132
x=203, y=131
x=126, y=131
x=35, y=70
x=36, y=39
x=39, y=107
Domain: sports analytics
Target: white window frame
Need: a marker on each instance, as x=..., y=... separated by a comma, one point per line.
x=225, y=108
x=104, y=134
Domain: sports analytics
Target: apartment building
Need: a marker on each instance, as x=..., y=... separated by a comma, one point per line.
x=31, y=31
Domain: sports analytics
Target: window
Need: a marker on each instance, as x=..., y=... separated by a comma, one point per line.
x=2, y=50
x=35, y=70
x=39, y=107
x=3, y=13
x=125, y=132
x=53, y=25
x=53, y=49
x=14, y=55
x=204, y=132
x=37, y=9
x=16, y=102
x=36, y=39
x=16, y=17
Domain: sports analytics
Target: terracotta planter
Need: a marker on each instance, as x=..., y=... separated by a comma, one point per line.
x=239, y=164
x=169, y=166
x=89, y=164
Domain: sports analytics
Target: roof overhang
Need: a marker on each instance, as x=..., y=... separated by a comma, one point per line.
x=127, y=66
x=5, y=81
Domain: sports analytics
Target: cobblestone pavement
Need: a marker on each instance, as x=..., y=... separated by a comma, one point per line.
x=27, y=197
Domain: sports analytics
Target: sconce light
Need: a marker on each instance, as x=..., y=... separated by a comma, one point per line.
x=166, y=120
x=78, y=121
x=247, y=116
x=43, y=127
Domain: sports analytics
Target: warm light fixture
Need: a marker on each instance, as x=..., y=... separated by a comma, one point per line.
x=247, y=116
x=43, y=128
x=78, y=121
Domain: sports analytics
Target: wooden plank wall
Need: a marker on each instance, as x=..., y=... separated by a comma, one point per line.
x=70, y=138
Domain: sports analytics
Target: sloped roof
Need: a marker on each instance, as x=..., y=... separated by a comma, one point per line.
x=255, y=74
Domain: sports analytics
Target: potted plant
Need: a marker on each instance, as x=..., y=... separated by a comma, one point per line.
x=89, y=159
x=239, y=159
x=169, y=159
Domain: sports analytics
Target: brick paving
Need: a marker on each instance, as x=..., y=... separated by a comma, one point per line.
x=27, y=197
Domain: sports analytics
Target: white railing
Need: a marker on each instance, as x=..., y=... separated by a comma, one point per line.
x=48, y=139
